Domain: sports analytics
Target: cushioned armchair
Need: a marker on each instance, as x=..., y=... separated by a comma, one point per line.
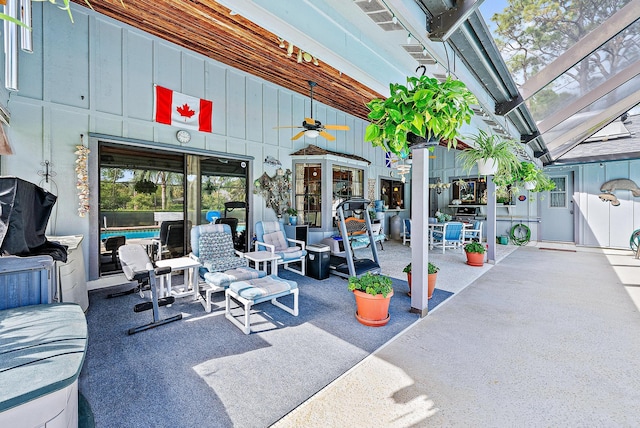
x=450, y=237
x=212, y=245
x=271, y=237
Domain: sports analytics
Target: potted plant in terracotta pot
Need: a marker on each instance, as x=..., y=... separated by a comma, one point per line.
x=432, y=273
x=475, y=253
x=373, y=294
x=425, y=108
x=491, y=154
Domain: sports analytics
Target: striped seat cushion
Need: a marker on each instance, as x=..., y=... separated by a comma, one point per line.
x=262, y=287
x=224, y=279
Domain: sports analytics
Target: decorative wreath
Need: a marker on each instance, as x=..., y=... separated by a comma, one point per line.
x=520, y=234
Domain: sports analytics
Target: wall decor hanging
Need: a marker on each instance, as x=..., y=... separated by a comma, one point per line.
x=275, y=190
x=82, y=183
x=611, y=186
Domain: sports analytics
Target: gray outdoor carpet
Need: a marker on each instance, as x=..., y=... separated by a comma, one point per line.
x=203, y=371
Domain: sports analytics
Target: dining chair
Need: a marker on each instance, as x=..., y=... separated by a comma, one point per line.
x=406, y=231
x=473, y=233
x=450, y=237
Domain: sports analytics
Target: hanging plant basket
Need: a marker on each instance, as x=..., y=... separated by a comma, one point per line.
x=530, y=185
x=487, y=166
x=145, y=186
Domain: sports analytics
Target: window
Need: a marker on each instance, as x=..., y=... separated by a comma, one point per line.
x=392, y=194
x=347, y=183
x=308, y=193
x=558, y=196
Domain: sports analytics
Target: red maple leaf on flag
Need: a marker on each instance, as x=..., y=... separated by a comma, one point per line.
x=185, y=110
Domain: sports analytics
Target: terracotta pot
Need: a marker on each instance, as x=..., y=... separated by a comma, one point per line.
x=371, y=310
x=431, y=283
x=475, y=259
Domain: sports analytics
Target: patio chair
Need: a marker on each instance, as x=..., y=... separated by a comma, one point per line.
x=137, y=266
x=212, y=246
x=172, y=238
x=406, y=231
x=450, y=237
x=110, y=257
x=473, y=233
x=271, y=237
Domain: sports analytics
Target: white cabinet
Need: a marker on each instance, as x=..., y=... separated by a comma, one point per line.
x=72, y=283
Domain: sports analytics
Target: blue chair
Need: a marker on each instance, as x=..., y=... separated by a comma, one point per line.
x=270, y=236
x=212, y=216
x=473, y=233
x=406, y=231
x=212, y=246
x=450, y=237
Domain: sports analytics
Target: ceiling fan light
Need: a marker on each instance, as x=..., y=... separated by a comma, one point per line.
x=281, y=42
x=290, y=50
x=299, y=56
x=315, y=61
x=311, y=133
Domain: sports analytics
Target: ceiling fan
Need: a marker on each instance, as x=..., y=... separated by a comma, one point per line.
x=313, y=128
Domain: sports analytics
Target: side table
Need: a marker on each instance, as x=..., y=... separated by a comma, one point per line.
x=190, y=286
x=263, y=256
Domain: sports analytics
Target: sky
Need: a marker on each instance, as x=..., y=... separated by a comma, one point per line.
x=490, y=7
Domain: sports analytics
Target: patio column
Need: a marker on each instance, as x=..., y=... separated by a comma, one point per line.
x=491, y=220
x=419, y=229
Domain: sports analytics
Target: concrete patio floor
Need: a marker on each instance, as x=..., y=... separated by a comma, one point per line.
x=548, y=336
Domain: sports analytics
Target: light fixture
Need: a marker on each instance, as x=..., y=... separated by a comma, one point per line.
x=439, y=186
x=315, y=61
x=409, y=38
x=403, y=169
x=311, y=133
x=290, y=50
x=424, y=51
x=394, y=19
x=233, y=12
x=299, y=56
x=281, y=42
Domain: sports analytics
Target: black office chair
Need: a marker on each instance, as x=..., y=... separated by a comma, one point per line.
x=172, y=238
x=110, y=257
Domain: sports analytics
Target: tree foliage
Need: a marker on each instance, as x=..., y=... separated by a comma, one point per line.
x=532, y=33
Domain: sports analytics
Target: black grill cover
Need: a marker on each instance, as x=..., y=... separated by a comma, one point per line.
x=24, y=213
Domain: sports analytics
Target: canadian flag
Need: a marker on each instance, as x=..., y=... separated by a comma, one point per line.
x=174, y=108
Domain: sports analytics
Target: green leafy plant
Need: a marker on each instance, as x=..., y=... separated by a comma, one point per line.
x=491, y=146
x=527, y=172
x=431, y=268
x=543, y=182
x=373, y=284
x=425, y=107
x=292, y=211
x=474, y=247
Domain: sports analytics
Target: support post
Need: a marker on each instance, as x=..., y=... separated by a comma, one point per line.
x=419, y=231
x=491, y=220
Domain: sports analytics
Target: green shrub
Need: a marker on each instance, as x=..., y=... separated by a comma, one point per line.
x=373, y=284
